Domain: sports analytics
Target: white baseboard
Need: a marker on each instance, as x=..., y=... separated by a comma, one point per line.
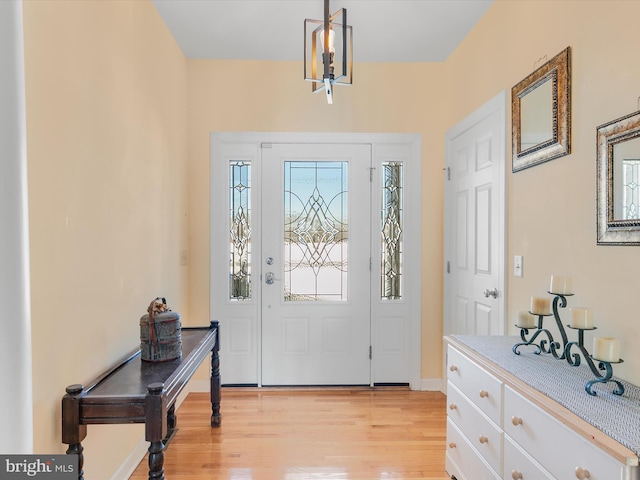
x=132, y=461
x=426, y=385
x=432, y=385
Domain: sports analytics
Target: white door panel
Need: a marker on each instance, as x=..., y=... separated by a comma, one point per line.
x=474, y=223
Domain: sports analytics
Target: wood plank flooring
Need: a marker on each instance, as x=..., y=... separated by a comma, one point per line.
x=308, y=434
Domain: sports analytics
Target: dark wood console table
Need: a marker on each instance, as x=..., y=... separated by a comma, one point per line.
x=142, y=392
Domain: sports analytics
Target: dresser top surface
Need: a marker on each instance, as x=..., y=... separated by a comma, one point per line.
x=616, y=416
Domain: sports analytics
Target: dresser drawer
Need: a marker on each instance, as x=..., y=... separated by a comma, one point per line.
x=482, y=434
x=462, y=461
x=519, y=466
x=557, y=448
x=480, y=387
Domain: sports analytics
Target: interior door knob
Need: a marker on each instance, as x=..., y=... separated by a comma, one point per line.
x=491, y=292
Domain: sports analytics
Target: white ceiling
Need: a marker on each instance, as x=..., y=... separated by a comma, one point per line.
x=383, y=30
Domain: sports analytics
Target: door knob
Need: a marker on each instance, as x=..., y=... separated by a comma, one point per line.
x=491, y=292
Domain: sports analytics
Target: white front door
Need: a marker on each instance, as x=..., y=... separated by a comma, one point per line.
x=474, y=223
x=316, y=205
x=315, y=258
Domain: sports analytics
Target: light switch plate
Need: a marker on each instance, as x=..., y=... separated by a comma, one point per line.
x=517, y=265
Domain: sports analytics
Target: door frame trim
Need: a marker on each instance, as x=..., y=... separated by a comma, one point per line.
x=413, y=241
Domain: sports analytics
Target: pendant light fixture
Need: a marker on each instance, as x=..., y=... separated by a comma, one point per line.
x=329, y=41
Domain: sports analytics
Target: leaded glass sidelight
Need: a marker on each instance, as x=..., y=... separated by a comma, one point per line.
x=315, y=231
x=239, y=230
x=390, y=281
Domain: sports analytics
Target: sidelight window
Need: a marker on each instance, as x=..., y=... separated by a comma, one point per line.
x=240, y=230
x=391, y=233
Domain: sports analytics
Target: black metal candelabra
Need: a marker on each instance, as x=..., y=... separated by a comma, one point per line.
x=546, y=344
x=603, y=366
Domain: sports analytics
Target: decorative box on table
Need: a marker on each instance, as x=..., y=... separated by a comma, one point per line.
x=160, y=333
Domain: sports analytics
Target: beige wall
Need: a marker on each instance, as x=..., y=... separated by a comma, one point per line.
x=118, y=126
x=552, y=207
x=107, y=147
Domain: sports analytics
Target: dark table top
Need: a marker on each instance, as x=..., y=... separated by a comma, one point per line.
x=131, y=377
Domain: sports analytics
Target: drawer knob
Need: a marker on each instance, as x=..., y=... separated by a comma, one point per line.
x=452, y=445
x=582, y=473
x=483, y=439
x=516, y=475
x=516, y=421
x=484, y=394
x=452, y=406
x=453, y=368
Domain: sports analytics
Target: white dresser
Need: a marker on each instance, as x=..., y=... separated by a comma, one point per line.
x=502, y=425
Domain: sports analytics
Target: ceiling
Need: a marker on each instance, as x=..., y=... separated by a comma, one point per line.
x=383, y=30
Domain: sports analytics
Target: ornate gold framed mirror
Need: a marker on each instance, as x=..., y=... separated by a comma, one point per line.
x=618, y=183
x=541, y=113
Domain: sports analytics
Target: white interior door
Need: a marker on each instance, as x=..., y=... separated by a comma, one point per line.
x=315, y=281
x=474, y=223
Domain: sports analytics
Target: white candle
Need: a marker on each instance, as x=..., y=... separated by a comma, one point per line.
x=606, y=349
x=581, y=317
x=539, y=305
x=561, y=285
x=525, y=320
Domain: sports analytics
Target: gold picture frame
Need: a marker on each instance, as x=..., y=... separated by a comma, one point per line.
x=541, y=113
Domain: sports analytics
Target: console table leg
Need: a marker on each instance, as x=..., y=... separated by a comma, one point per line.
x=72, y=431
x=216, y=418
x=156, y=461
x=155, y=429
x=77, y=449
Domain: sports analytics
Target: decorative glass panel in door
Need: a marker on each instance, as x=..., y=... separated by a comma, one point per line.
x=316, y=241
x=315, y=231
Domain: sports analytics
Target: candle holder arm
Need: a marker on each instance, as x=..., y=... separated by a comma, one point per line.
x=607, y=377
x=542, y=345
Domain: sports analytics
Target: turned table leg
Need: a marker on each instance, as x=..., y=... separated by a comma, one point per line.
x=155, y=430
x=214, y=388
x=72, y=431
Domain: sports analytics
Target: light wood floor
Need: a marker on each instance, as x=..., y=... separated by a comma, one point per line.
x=302, y=434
